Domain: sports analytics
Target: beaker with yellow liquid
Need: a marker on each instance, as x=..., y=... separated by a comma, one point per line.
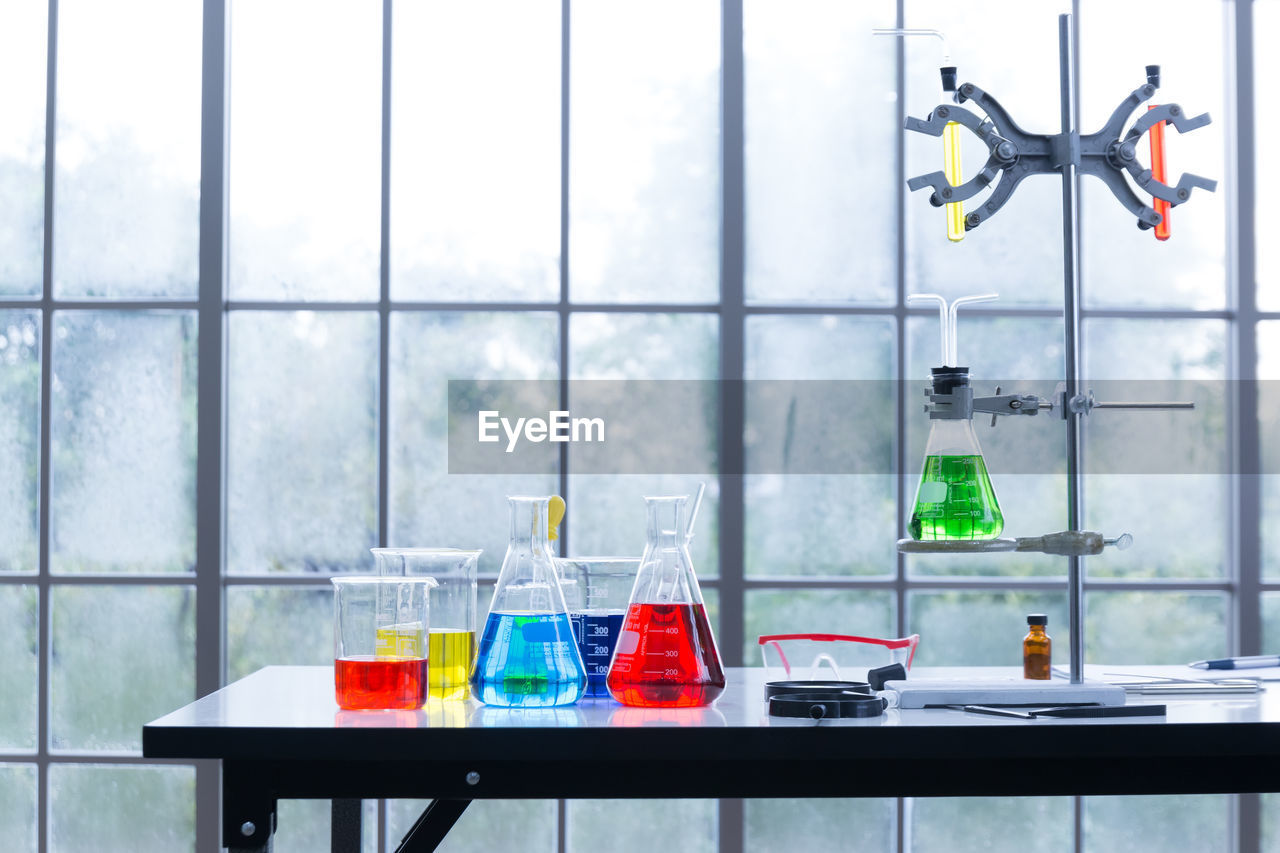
x=451, y=641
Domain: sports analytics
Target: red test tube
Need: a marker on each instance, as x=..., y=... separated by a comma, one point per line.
x=1156, y=135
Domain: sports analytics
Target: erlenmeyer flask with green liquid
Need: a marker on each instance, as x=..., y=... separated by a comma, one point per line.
x=955, y=499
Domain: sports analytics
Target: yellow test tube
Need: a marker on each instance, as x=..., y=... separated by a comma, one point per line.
x=951, y=165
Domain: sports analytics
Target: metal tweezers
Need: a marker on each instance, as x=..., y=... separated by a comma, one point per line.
x=1165, y=685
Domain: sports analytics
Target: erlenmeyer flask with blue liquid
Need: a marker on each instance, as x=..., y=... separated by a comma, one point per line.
x=528, y=656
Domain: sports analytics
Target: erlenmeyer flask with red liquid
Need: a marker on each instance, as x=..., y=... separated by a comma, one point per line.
x=666, y=656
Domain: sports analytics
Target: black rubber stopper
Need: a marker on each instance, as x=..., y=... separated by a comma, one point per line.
x=948, y=73
x=1153, y=75
x=947, y=379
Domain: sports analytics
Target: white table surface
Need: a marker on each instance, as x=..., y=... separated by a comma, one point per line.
x=293, y=697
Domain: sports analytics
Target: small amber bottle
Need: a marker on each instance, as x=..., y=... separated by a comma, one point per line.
x=1035, y=649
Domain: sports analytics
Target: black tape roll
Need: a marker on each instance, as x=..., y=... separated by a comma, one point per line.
x=826, y=706
x=829, y=688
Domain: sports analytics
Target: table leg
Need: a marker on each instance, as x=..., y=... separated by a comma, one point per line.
x=432, y=826
x=248, y=810
x=345, y=826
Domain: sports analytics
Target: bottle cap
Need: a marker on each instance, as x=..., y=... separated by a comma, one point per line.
x=1037, y=619
x=555, y=515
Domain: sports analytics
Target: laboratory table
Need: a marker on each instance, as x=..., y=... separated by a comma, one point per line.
x=280, y=735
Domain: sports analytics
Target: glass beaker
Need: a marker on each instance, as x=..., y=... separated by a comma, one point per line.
x=527, y=655
x=379, y=636
x=597, y=591
x=452, y=639
x=666, y=655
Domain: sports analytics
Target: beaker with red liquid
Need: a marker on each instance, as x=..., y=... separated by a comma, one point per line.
x=666, y=655
x=380, y=630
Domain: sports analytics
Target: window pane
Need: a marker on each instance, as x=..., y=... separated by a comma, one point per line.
x=476, y=151
x=1154, y=627
x=127, y=207
x=429, y=506
x=1018, y=252
x=18, y=815
x=778, y=824
x=306, y=150
x=607, y=512
x=1270, y=620
x=627, y=826
x=1158, y=824
x=135, y=808
x=304, y=826
x=811, y=161
x=1266, y=22
x=1269, y=436
x=1179, y=521
x=121, y=657
x=23, y=36
x=989, y=824
x=1026, y=456
x=19, y=438
x=19, y=648
x=486, y=825
x=644, y=178
x=866, y=613
x=983, y=628
x=1271, y=821
x=302, y=441
x=786, y=533
x=269, y=626
x=124, y=441
x=1121, y=265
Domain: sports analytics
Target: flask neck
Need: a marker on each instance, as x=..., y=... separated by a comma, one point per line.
x=952, y=438
x=666, y=568
x=666, y=522
x=528, y=526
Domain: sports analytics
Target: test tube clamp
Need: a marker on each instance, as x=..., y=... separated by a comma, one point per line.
x=1014, y=154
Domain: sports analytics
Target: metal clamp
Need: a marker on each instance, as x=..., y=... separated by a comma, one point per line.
x=1013, y=154
x=960, y=404
x=1083, y=404
x=1068, y=543
x=1010, y=404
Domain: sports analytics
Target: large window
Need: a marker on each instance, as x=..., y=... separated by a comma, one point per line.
x=245, y=243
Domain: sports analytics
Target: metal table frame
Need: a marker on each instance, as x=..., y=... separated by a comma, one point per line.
x=734, y=750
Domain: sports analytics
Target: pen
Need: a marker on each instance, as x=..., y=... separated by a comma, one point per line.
x=1237, y=663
